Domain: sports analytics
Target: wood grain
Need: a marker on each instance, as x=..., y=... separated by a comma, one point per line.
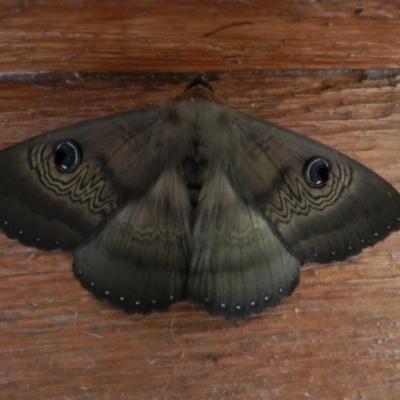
x=326, y=69
x=180, y=36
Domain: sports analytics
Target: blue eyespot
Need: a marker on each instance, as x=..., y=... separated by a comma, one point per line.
x=67, y=155
x=316, y=171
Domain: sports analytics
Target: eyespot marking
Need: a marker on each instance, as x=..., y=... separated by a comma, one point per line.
x=316, y=171
x=67, y=155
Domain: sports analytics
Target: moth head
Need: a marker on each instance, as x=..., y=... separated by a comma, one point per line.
x=67, y=155
x=316, y=171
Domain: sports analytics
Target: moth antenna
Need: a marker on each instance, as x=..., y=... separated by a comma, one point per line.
x=200, y=80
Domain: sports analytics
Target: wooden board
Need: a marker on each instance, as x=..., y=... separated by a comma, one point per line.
x=326, y=69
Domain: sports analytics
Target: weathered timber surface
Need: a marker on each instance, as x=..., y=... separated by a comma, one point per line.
x=180, y=36
x=326, y=69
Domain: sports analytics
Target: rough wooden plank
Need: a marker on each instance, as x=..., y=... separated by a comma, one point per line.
x=336, y=337
x=291, y=62
x=182, y=36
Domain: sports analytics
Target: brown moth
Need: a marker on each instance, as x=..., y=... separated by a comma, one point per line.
x=191, y=200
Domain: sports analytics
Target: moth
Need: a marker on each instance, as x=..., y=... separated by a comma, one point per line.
x=191, y=200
